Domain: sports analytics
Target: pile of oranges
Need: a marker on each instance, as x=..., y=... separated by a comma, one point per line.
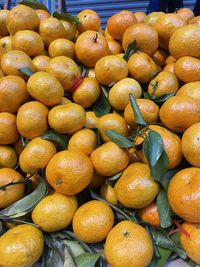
x=99, y=138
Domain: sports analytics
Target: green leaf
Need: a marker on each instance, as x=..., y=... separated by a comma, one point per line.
x=190, y=262
x=164, y=255
x=153, y=147
x=132, y=48
x=164, y=209
x=26, y=71
x=167, y=177
x=75, y=248
x=26, y=204
x=66, y=16
x=33, y=4
x=119, y=139
x=102, y=105
x=60, y=140
x=162, y=240
x=25, y=141
x=162, y=98
x=146, y=95
x=161, y=167
x=87, y=259
x=138, y=116
x=113, y=178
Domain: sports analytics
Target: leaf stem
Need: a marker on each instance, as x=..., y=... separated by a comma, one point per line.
x=24, y=180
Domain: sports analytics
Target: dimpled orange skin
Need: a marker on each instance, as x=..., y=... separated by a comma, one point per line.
x=36, y=155
x=89, y=20
x=54, y=212
x=191, y=89
x=114, y=47
x=20, y=18
x=45, y=88
x=61, y=47
x=114, y=122
x=90, y=46
x=13, y=93
x=187, y=69
x=191, y=244
x=12, y=193
x=93, y=221
x=3, y=28
x=6, y=43
x=150, y=215
x=180, y=112
x=41, y=62
x=32, y=119
x=21, y=246
x=185, y=13
x=108, y=193
x=136, y=188
x=145, y=36
x=8, y=157
x=69, y=172
x=109, y=159
x=65, y=70
x=127, y=244
x=8, y=128
x=183, y=194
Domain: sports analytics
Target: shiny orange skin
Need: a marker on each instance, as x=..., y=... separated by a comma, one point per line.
x=6, y=43
x=114, y=47
x=152, y=17
x=8, y=128
x=13, y=93
x=108, y=193
x=169, y=67
x=144, y=35
x=61, y=47
x=183, y=194
x=70, y=29
x=170, y=59
x=118, y=23
x=140, y=16
x=91, y=120
x=191, y=89
x=69, y=172
x=185, y=13
x=160, y=57
x=93, y=221
x=150, y=215
x=41, y=62
x=89, y=20
x=42, y=14
x=180, y=112
x=8, y=157
x=3, y=28
x=109, y=159
x=12, y=193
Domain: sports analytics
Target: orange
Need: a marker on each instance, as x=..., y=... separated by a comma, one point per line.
x=150, y=215
x=119, y=93
x=12, y=193
x=6, y=43
x=3, y=28
x=180, y=112
x=84, y=140
x=1, y=73
x=144, y=35
x=191, y=243
x=110, y=69
x=109, y=159
x=22, y=18
x=128, y=243
x=67, y=118
x=87, y=92
x=183, y=194
x=65, y=101
x=160, y=56
x=70, y=29
x=36, y=155
x=8, y=128
x=112, y=121
x=46, y=88
x=170, y=59
x=61, y=47
x=93, y=221
x=69, y=172
x=171, y=142
x=107, y=35
x=13, y=93
x=89, y=20
x=90, y=46
x=29, y=42
x=63, y=207
x=185, y=13
x=118, y=23
x=32, y=119
x=51, y=29
x=140, y=16
x=97, y=181
x=42, y=14
x=91, y=73
x=108, y=193
x=65, y=70
x=152, y=17
x=114, y=47
x=195, y=20
x=142, y=67
x=136, y=188
x=191, y=144
x=169, y=67
x=185, y=41
x=91, y=120
x=148, y=109
x=191, y=89
x=14, y=60
x=8, y=157
x=41, y=62
x=164, y=82
x=165, y=25
x=21, y=246
x=18, y=146
x=187, y=69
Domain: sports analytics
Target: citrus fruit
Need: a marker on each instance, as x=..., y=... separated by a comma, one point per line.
x=93, y=221
x=170, y=59
x=91, y=120
x=8, y=157
x=195, y=20
x=61, y=47
x=108, y=193
x=8, y=128
x=70, y=29
x=42, y=14
x=140, y=16
x=69, y=172
x=150, y=215
x=88, y=20
x=191, y=89
x=152, y=17
x=185, y=13
x=114, y=47
x=160, y=56
x=41, y=62
x=3, y=28
x=63, y=207
x=169, y=67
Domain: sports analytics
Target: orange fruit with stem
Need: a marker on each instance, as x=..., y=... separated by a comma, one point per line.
x=88, y=20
